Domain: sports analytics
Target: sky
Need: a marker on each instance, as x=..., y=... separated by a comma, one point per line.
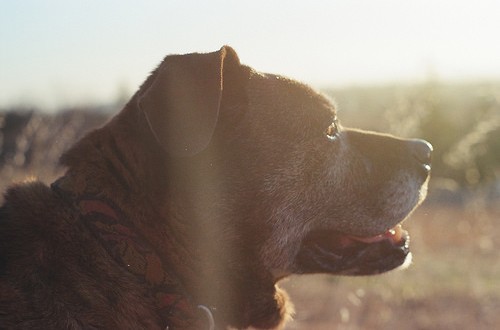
x=66, y=53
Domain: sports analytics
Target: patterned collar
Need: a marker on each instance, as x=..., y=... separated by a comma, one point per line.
x=131, y=251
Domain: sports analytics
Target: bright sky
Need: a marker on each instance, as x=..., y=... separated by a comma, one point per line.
x=59, y=53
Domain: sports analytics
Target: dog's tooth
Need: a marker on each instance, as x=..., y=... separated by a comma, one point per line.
x=395, y=234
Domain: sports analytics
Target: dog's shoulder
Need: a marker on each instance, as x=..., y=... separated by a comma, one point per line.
x=28, y=219
x=30, y=204
x=26, y=192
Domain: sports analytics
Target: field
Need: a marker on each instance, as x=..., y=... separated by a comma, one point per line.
x=454, y=282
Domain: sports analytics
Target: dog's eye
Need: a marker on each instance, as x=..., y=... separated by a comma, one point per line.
x=332, y=132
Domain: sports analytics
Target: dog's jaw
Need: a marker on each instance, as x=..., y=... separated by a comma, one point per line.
x=335, y=253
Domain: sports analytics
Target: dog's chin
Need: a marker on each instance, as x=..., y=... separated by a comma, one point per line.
x=332, y=252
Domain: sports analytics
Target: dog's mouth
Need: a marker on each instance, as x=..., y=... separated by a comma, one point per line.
x=328, y=251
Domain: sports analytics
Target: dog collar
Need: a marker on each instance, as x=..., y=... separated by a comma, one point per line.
x=130, y=250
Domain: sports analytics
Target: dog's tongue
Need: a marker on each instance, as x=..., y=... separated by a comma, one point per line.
x=394, y=234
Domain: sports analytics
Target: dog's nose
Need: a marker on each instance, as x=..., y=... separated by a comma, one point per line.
x=422, y=151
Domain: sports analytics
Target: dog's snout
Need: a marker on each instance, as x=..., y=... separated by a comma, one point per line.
x=421, y=151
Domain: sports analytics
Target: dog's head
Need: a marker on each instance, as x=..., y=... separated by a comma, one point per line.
x=318, y=197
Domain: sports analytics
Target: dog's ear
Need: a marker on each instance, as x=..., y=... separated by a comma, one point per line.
x=182, y=102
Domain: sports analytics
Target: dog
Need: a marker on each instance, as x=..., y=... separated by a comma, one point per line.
x=187, y=208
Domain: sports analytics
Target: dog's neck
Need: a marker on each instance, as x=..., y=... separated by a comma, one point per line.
x=176, y=305
x=125, y=245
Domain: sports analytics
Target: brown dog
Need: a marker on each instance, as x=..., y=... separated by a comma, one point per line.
x=213, y=183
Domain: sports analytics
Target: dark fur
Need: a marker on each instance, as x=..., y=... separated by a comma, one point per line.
x=231, y=216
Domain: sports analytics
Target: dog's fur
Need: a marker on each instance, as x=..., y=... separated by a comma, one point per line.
x=229, y=174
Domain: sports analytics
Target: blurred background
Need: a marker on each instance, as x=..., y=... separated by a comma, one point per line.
x=427, y=69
